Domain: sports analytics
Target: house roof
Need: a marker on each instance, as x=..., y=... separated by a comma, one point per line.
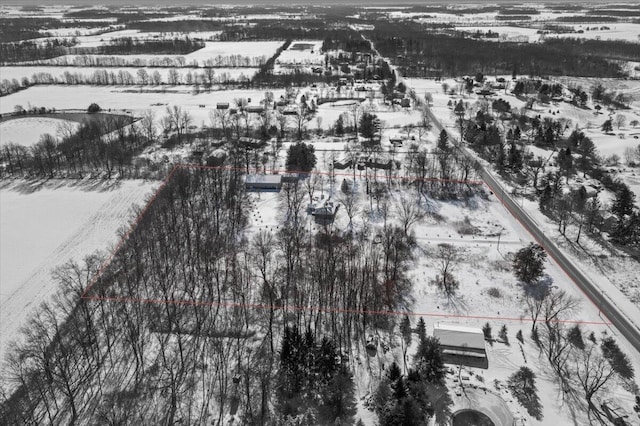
x=459, y=336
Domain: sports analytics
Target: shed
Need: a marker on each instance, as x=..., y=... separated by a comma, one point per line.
x=222, y=105
x=255, y=109
x=259, y=182
x=462, y=345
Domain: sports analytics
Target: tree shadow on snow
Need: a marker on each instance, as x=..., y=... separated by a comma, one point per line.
x=27, y=187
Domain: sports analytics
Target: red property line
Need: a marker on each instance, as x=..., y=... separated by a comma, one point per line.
x=282, y=172
x=85, y=295
x=294, y=308
x=127, y=234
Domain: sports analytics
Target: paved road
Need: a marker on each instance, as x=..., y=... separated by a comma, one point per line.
x=628, y=327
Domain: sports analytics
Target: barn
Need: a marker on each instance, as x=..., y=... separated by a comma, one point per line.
x=462, y=345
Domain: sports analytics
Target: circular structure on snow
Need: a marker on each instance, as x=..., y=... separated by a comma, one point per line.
x=471, y=418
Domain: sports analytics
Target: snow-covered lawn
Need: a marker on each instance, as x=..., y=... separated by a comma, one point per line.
x=45, y=225
x=27, y=130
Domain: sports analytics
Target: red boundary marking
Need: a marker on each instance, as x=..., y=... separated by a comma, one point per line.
x=292, y=308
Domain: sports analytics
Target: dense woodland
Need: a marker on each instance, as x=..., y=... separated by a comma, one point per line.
x=21, y=51
x=424, y=54
x=225, y=345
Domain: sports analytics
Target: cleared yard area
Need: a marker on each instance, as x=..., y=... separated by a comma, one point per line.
x=43, y=227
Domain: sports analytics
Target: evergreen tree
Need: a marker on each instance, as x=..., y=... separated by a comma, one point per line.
x=428, y=360
x=339, y=127
x=421, y=329
x=486, y=330
x=301, y=157
x=503, y=334
x=369, y=126
x=405, y=329
x=607, y=126
x=623, y=204
x=546, y=198
x=528, y=264
x=574, y=335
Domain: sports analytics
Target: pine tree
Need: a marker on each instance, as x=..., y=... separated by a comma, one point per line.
x=503, y=334
x=528, y=264
x=486, y=330
x=428, y=360
x=623, y=204
x=301, y=157
x=574, y=335
x=405, y=329
x=421, y=329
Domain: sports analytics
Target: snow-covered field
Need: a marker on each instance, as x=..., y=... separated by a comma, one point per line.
x=47, y=224
x=305, y=52
x=132, y=99
x=252, y=49
x=27, y=130
x=256, y=50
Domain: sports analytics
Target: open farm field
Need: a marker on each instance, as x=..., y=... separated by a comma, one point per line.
x=43, y=226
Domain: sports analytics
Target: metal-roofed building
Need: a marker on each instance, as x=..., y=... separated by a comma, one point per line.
x=259, y=182
x=462, y=345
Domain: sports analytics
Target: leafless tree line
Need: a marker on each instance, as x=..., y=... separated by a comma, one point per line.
x=98, y=147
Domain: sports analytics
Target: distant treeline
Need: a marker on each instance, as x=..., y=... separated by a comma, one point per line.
x=31, y=51
x=21, y=28
x=119, y=16
x=587, y=19
x=424, y=54
x=181, y=26
x=204, y=80
x=132, y=46
x=78, y=153
x=219, y=61
x=619, y=50
x=608, y=12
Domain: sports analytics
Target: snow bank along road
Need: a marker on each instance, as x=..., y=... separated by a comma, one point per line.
x=628, y=327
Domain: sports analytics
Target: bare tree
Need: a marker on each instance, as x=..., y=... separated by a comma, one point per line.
x=351, y=204
x=409, y=213
x=448, y=257
x=593, y=372
x=557, y=305
x=148, y=124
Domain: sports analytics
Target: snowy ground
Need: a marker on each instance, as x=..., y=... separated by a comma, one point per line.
x=44, y=225
x=27, y=130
